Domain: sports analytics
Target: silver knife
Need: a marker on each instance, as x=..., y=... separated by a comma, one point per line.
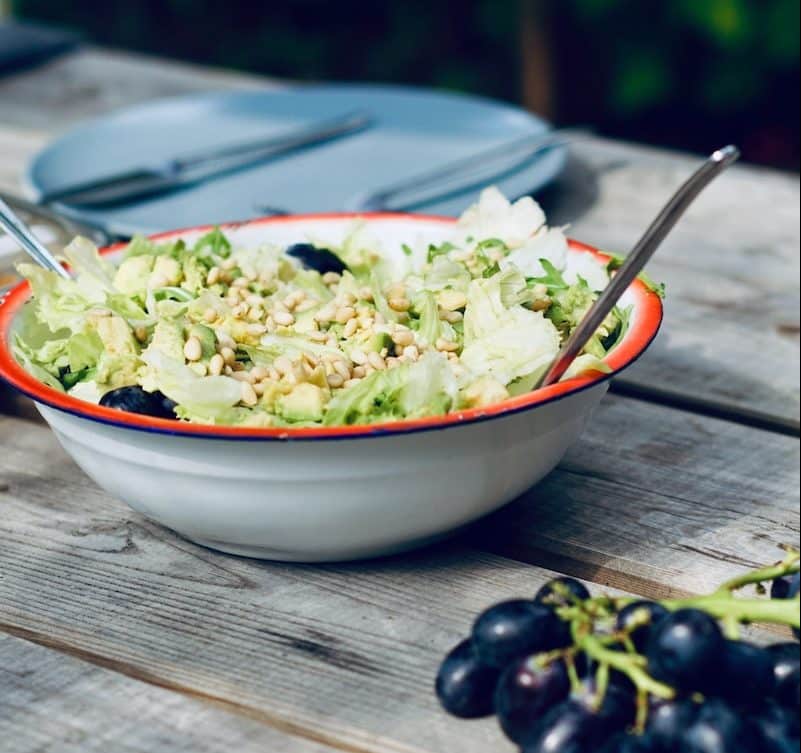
x=192, y=169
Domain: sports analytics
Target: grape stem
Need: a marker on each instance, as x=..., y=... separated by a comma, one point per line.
x=789, y=566
x=744, y=611
x=632, y=665
x=594, y=635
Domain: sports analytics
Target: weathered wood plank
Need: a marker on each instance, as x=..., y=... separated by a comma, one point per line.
x=51, y=702
x=731, y=267
x=673, y=504
x=91, y=81
x=657, y=501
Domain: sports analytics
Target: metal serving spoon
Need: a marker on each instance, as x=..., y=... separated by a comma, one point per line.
x=637, y=259
x=16, y=228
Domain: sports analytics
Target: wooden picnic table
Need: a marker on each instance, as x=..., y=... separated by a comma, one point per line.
x=118, y=635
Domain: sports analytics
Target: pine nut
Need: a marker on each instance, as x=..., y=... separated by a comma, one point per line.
x=331, y=278
x=256, y=314
x=216, y=365
x=243, y=376
x=213, y=277
x=229, y=356
x=259, y=388
x=446, y=345
x=306, y=305
x=140, y=333
x=256, y=330
x=283, y=318
x=317, y=337
x=260, y=373
x=228, y=265
x=399, y=304
x=453, y=316
x=376, y=361
x=351, y=383
x=249, y=396
x=403, y=337
x=358, y=372
x=345, y=314
x=335, y=381
x=225, y=340
x=350, y=328
x=341, y=368
x=411, y=352
x=193, y=350
x=358, y=356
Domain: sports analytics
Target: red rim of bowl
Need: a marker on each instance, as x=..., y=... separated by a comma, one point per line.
x=644, y=328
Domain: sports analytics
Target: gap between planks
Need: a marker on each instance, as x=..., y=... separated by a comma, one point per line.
x=142, y=675
x=706, y=407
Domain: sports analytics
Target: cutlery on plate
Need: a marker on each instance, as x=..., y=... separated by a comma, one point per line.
x=460, y=176
x=657, y=232
x=191, y=169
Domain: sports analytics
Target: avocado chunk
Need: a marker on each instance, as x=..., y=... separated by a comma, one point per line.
x=306, y=402
x=132, y=275
x=208, y=340
x=168, y=337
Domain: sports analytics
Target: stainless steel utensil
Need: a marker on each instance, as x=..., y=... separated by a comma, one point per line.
x=637, y=259
x=462, y=175
x=15, y=227
x=192, y=169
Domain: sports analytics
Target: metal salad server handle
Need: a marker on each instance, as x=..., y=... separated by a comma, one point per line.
x=15, y=227
x=637, y=259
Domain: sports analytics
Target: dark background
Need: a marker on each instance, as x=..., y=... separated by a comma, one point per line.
x=690, y=74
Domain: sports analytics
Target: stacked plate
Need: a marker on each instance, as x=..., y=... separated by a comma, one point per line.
x=412, y=131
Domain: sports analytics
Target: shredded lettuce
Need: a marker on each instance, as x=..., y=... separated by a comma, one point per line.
x=204, y=322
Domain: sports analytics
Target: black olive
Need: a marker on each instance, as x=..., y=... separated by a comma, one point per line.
x=320, y=259
x=135, y=400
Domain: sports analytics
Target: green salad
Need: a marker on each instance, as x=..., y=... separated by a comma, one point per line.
x=317, y=334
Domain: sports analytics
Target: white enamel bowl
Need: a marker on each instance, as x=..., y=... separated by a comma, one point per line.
x=327, y=494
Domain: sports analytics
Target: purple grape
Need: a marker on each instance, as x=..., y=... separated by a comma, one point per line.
x=513, y=630
x=786, y=674
x=668, y=720
x=551, y=593
x=525, y=693
x=569, y=727
x=650, y=612
x=685, y=650
x=746, y=676
x=465, y=687
x=718, y=729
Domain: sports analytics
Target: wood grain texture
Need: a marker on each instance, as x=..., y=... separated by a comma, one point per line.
x=657, y=501
x=51, y=702
x=349, y=651
x=732, y=265
x=92, y=81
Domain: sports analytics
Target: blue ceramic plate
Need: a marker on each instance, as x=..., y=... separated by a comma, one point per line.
x=415, y=130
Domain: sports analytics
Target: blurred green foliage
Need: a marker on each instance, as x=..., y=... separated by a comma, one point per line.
x=687, y=73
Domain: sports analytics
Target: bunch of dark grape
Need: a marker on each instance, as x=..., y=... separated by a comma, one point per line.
x=568, y=673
